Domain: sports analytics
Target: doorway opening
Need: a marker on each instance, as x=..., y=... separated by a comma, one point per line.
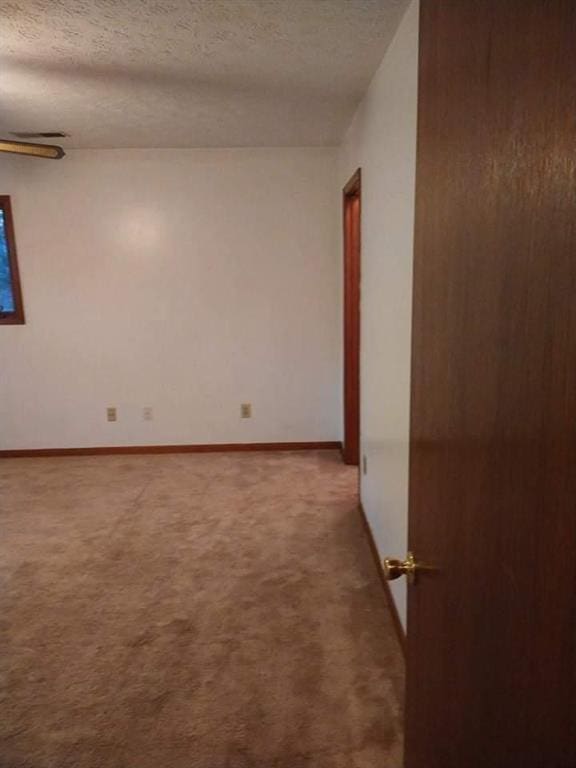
x=351, y=198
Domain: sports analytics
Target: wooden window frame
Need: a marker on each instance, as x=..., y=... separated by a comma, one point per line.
x=16, y=317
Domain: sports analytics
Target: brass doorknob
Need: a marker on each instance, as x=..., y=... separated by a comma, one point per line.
x=393, y=568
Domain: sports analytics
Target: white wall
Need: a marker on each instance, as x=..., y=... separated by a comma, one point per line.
x=382, y=141
x=185, y=280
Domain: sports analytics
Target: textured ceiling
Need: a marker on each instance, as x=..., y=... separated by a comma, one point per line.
x=189, y=73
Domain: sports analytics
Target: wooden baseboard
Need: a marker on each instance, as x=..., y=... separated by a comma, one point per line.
x=138, y=449
x=388, y=594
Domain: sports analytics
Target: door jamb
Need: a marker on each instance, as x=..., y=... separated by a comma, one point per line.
x=351, y=220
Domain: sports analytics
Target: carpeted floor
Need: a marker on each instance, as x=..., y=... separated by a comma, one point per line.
x=192, y=611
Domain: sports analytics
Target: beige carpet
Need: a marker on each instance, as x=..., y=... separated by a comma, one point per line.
x=192, y=611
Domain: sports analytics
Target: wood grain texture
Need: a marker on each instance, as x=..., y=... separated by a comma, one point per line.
x=199, y=448
x=351, y=208
x=16, y=317
x=492, y=633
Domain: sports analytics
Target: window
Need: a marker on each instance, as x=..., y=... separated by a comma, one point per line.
x=11, y=309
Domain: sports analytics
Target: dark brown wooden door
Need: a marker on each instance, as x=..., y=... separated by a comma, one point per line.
x=491, y=652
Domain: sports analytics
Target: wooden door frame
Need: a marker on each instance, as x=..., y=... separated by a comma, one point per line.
x=351, y=221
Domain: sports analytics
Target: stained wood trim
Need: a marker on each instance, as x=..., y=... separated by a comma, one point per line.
x=401, y=635
x=16, y=317
x=351, y=217
x=139, y=449
x=354, y=184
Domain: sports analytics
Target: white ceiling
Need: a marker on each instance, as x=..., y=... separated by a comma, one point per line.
x=189, y=73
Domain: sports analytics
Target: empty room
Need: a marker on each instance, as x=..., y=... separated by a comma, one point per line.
x=287, y=384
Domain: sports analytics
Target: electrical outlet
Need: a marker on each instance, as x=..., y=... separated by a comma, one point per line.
x=364, y=464
x=147, y=414
x=246, y=410
x=111, y=414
